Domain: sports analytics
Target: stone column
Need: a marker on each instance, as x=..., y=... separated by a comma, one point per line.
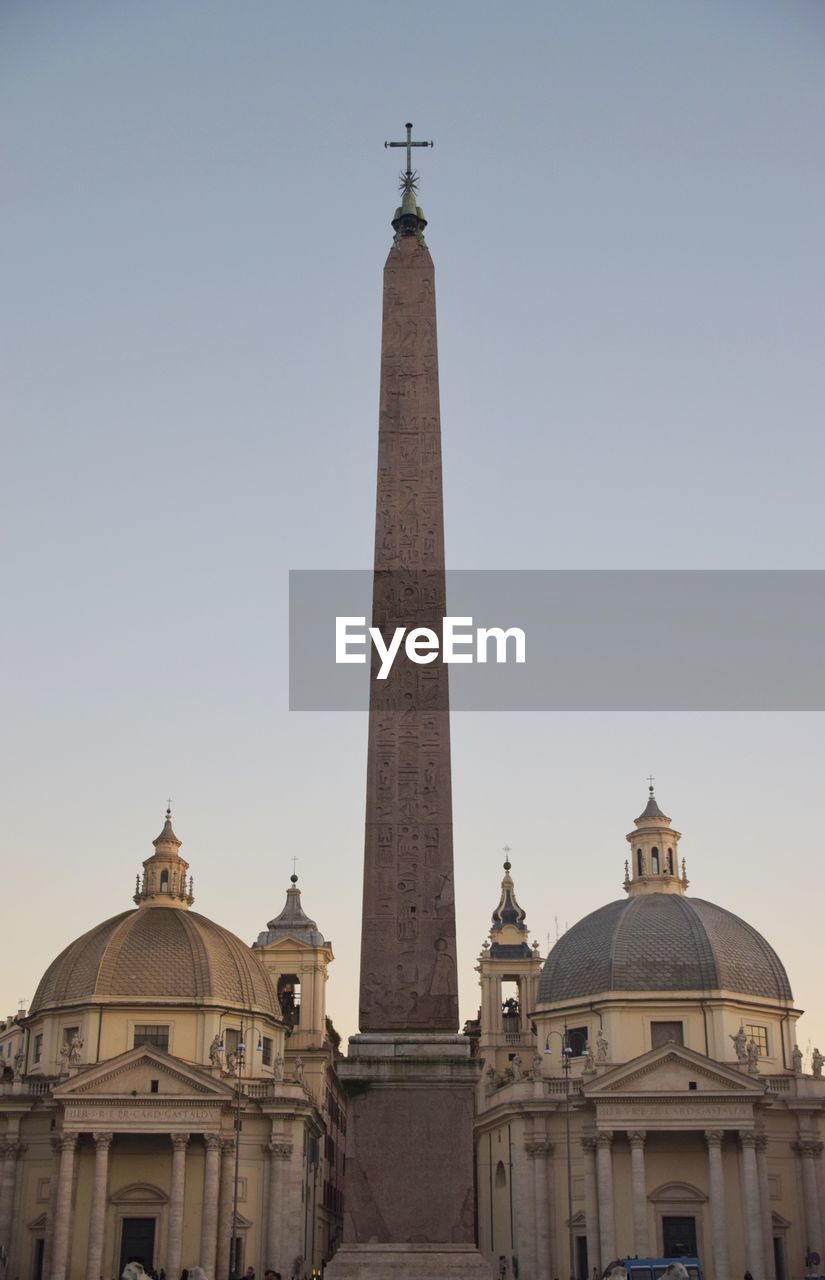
x=540, y=1152
x=209, y=1214
x=636, y=1138
x=97, y=1212
x=48, y=1248
x=63, y=1207
x=607, y=1212
x=765, y=1205
x=11, y=1150
x=225, y=1222
x=524, y=1227
x=280, y=1153
x=591, y=1208
x=754, y=1237
x=721, y=1266
x=177, y=1192
x=807, y=1151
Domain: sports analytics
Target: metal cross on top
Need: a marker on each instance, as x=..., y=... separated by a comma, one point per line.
x=409, y=144
x=651, y=780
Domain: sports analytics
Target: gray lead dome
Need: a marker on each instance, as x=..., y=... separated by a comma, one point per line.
x=662, y=942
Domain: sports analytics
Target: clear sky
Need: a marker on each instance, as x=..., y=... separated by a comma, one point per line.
x=625, y=205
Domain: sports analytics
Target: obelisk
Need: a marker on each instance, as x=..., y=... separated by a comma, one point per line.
x=409, y=1198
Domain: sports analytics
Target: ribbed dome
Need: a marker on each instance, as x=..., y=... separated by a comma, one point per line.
x=662, y=942
x=157, y=954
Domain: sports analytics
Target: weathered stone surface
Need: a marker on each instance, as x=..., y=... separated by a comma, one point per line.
x=408, y=954
x=408, y=1262
x=409, y=1208
x=409, y=1140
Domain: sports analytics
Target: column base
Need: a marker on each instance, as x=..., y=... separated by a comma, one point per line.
x=408, y=1262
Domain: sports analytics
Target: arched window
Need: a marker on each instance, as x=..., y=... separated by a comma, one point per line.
x=501, y=1176
x=289, y=998
x=654, y=860
x=640, y=862
x=670, y=861
x=164, y=881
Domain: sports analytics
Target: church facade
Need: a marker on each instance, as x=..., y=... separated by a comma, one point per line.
x=171, y=1097
x=643, y=1093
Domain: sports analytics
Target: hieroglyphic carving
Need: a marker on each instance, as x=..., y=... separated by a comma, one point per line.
x=408, y=955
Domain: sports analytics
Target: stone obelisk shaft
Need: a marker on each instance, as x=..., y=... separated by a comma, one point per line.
x=408, y=953
x=409, y=1076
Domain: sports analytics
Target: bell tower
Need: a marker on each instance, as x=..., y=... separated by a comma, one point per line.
x=509, y=969
x=653, y=866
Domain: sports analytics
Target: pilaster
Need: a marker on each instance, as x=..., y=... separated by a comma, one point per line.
x=607, y=1211
x=636, y=1138
x=176, y=1202
x=591, y=1207
x=716, y=1180
x=63, y=1208
x=97, y=1210
x=209, y=1213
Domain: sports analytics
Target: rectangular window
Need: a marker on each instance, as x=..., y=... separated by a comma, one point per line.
x=231, y=1040
x=759, y=1035
x=69, y=1034
x=266, y=1052
x=577, y=1040
x=38, y=1048
x=662, y=1033
x=152, y=1034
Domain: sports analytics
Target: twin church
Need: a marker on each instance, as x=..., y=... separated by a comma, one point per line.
x=176, y=1095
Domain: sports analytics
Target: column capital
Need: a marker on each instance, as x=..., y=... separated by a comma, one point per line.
x=807, y=1147
x=588, y=1143
x=636, y=1137
x=747, y=1138
x=278, y=1150
x=212, y=1141
x=761, y=1142
x=228, y=1146
x=179, y=1140
x=539, y=1148
x=103, y=1140
x=65, y=1141
x=604, y=1138
x=713, y=1137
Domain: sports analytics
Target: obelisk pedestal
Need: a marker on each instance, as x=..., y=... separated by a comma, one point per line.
x=409, y=1205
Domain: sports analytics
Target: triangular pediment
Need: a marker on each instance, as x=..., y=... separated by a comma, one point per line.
x=131, y=1073
x=673, y=1069
x=38, y=1224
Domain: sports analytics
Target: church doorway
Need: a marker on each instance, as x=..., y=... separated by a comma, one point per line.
x=137, y=1242
x=679, y=1237
x=39, y=1254
x=581, y=1258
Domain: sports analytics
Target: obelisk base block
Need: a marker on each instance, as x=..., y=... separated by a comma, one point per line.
x=409, y=1208
x=408, y=1262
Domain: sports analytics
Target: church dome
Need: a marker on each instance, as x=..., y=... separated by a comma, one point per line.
x=151, y=955
x=658, y=939
x=163, y=951
x=662, y=942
